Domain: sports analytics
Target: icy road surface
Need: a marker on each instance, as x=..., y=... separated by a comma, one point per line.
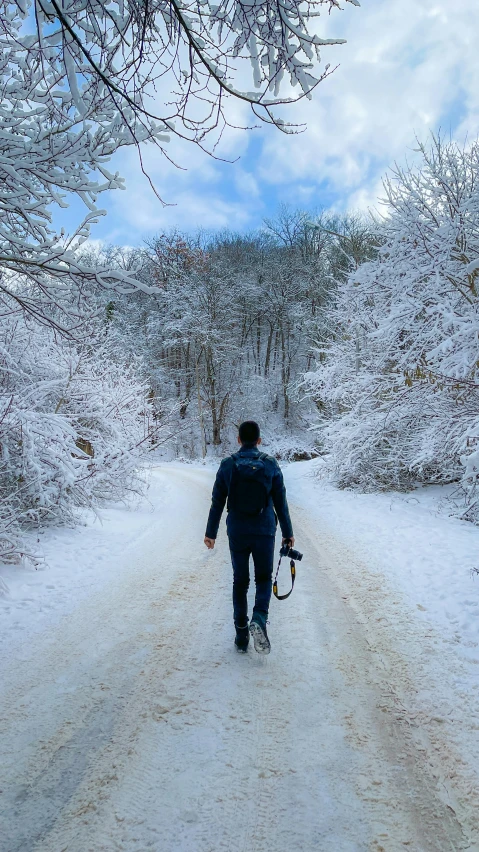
x=132, y=724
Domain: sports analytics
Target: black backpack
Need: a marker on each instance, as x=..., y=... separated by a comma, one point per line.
x=250, y=485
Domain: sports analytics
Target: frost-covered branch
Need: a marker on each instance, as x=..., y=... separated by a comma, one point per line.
x=81, y=79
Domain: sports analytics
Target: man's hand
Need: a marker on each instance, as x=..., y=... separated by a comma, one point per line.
x=210, y=542
x=290, y=541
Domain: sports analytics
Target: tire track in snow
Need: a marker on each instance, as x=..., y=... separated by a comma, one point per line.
x=398, y=783
x=80, y=673
x=166, y=711
x=178, y=744
x=173, y=675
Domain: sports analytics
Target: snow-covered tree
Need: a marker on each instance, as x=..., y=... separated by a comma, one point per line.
x=398, y=384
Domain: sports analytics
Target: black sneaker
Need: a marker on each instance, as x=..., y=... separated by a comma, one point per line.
x=242, y=639
x=257, y=629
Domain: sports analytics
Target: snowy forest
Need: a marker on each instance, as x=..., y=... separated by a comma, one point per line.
x=350, y=336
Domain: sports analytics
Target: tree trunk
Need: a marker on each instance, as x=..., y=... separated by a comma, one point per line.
x=285, y=376
x=200, y=410
x=268, y=351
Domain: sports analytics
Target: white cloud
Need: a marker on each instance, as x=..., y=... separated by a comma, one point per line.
x=194, y=194
x=192, y=202
x=246, y=183
x=404, y=67
x=408, y=68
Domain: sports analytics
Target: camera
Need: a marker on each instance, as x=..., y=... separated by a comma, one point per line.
x=288, y=551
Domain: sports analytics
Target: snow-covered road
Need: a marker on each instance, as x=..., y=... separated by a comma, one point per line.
x=132, y=724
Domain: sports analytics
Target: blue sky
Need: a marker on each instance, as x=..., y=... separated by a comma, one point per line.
x=408, y=68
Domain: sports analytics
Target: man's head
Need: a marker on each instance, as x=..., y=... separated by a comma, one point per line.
x=248, y=433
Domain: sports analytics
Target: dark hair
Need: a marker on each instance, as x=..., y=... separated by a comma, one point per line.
x=249, y=432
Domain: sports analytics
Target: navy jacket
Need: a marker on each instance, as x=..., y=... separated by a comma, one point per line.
x=238, y=524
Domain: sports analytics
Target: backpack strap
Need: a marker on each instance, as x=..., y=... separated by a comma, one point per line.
x=236, y=456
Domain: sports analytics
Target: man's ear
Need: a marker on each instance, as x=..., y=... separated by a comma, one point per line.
x=239, y=440
x=258, y=442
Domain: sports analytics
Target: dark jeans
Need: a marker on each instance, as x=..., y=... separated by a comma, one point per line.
x=261, y=547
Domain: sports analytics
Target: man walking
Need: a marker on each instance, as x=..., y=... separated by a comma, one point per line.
x=253, y=484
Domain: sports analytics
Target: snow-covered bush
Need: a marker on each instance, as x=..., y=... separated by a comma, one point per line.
x=288, y=447
x=73, y=423
x=397, y=386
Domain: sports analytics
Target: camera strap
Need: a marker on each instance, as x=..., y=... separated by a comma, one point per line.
x=275, y=581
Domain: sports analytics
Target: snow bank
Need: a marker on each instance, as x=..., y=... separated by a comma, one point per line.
x=430, y=556
x=76, y=563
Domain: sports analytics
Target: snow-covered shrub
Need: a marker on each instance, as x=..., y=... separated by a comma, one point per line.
x=397, y=386
x=73, y=422
x=287, y=447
